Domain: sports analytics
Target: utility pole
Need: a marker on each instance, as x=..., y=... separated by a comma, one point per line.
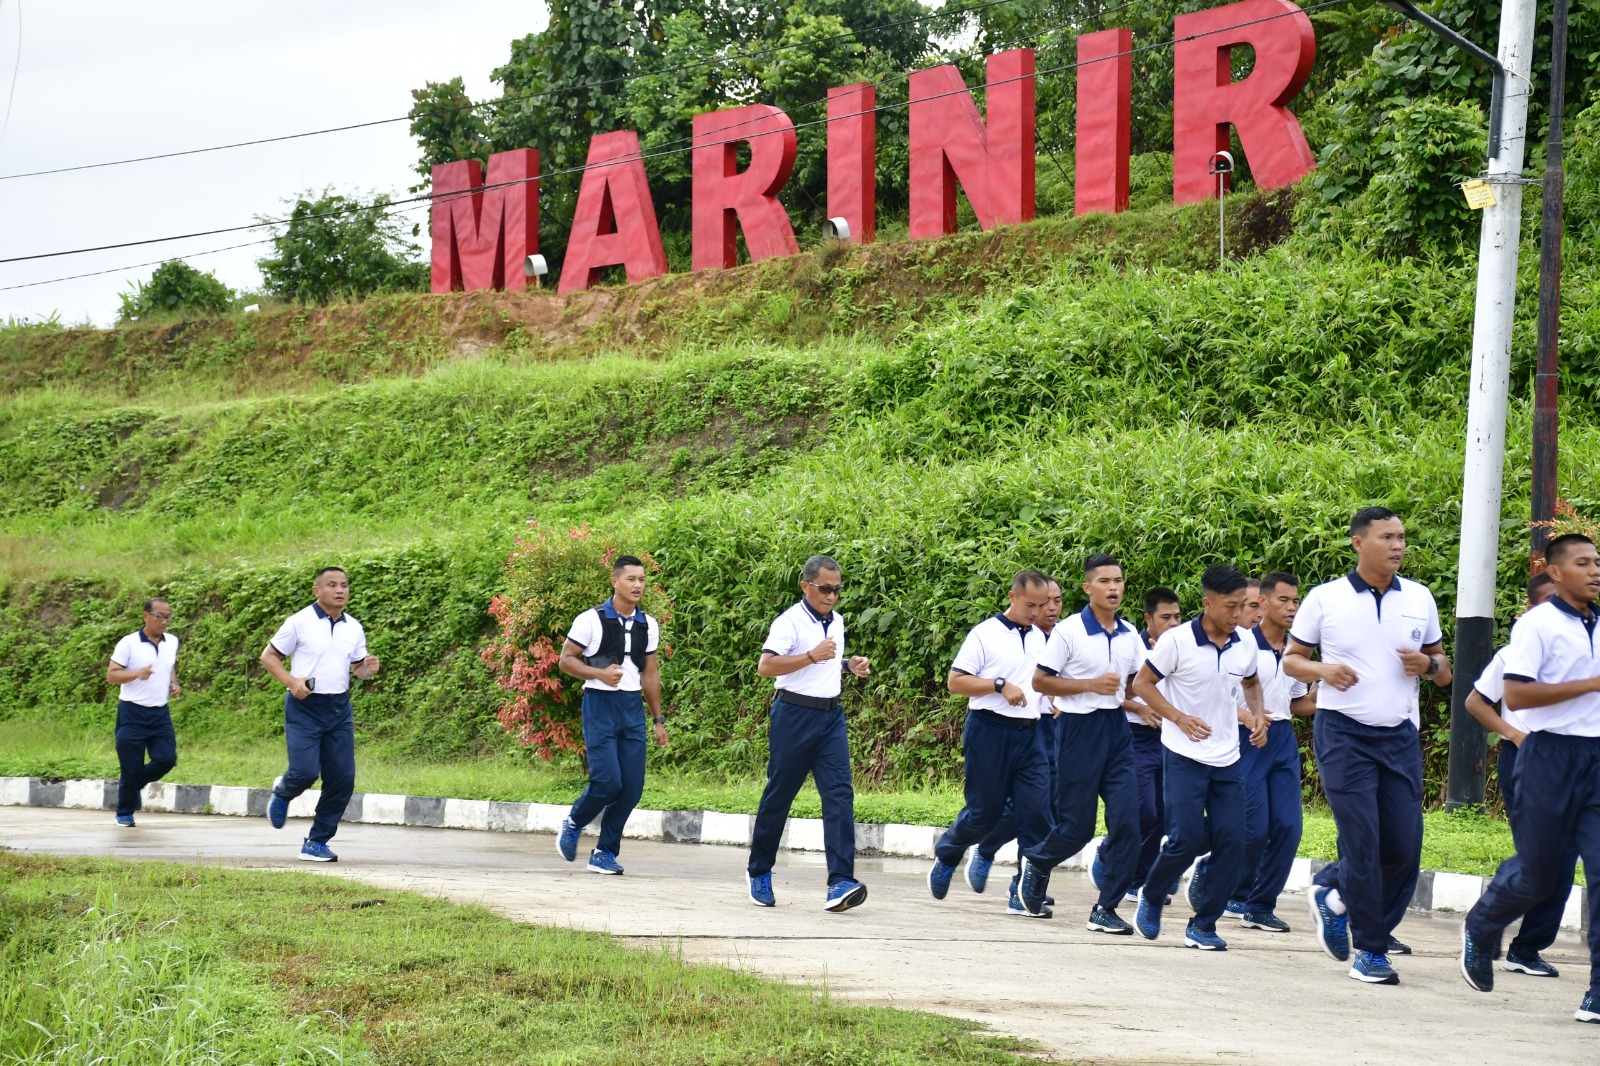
x=1547, y=377
x=1486, y=402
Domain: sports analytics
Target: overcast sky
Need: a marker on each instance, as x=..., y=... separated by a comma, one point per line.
x=107, y=79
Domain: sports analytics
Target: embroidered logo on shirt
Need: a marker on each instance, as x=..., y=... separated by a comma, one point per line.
x=1416, y=634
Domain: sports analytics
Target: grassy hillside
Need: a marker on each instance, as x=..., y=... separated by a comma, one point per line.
x=934, y=414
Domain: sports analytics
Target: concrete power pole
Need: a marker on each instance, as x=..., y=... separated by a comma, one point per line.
x=1486, y=407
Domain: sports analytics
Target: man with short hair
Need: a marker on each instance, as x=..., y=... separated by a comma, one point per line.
x=1379, y=636
x=804, y=655
x=1001, y=751
x=313, y=655
x=1270, y=763
x=1162, y=611
x=1552, y=680
x=1201, y=665
x=612, y=649
x=1542, y=923
x=145, y=664
x=981, y=859
x=1085, y=669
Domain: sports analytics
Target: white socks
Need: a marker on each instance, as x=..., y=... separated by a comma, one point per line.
x=1334, y=901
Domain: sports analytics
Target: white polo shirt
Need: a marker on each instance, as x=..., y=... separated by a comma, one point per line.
x=321, y=647
x=795, y=632
x=1080, y=648
x=1553, y=643
x=1358, y=628
x=1200, y=679
x=1278, y=689
x=1145, y=647
x=137, y=651
x=586, y=632
x=997, y=647
x=1491, y=685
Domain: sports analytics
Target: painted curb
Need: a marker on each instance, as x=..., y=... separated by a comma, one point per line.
x=1438, y=893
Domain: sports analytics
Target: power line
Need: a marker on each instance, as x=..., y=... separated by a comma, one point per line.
x=16, y=68
x=397, y=206
x=505, y=101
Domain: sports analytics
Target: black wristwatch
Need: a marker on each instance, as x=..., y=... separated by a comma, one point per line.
x=1433, y=666
x=659, y=720
x=999, y=684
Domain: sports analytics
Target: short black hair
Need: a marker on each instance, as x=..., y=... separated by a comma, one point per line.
x=817, y=564
x=1222, y=579
x=1276, y=578
x=1557, y=549
x=1097, y=560
x=1537, y=582
x=153, y=600
x=1156, y=597
x=1253, y=583
x=1368, y=515
x=328, y=570
x=625, y=561
x=1027, y=579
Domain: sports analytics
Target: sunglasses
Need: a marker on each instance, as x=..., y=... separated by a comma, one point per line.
x=826, y=590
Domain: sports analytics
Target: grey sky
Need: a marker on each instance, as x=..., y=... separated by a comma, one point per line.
x=107, y=79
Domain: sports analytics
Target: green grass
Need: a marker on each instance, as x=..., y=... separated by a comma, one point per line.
x=1465, y=842
x=148, y=962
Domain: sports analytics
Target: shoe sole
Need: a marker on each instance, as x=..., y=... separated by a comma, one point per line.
x=854, y=898
x=1399, y=949
x=592, y=868
x=1369, y=979
x=1466, y=975
x=1124, y=931
x=318, y=858
x=1517, y=967
x=1245, y=923
x=1024, y=913
x=126, y=825
x=1322, y=931
x=1193, y=943
x=1581, y=1015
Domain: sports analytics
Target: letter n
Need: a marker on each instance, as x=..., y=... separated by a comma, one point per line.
x=1105, y=122
x=481, y=236
x=614, y=223
x=1206, y=99
x=950, y=144
x=722, y=194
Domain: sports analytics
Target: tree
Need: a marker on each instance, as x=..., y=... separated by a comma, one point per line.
x=335, y=245
x=175, y=286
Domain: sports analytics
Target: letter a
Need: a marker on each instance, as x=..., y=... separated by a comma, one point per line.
x=614, y=223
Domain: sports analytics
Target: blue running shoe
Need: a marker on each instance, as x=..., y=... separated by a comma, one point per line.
x=1195, y=937
x=277, y=811
x=1197, y=883
x=1132, y=895
x=1032, y=885
x=1147, y=919
x=1588, y=1010
x=1477, y=963
x=761, y=890
x=842, y=895
x=567, y=840
x=1104, y=921
x=317, y=851
x=1014, y=906
x=1333, y=930
x=1374, y=969
x=1533, y=965
x=1097, y=869
x=125, y=821
x=939, y=876
x=1264, y=920
x=1233, y=909
x=603, y=862
x=1397, y=948
x=978, y=871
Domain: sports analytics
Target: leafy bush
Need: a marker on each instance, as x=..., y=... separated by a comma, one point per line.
x=339, y=246
x=175, y=286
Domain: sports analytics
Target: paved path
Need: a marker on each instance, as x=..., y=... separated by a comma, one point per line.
x=1272, y=999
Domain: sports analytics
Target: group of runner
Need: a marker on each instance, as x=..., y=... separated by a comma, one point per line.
x=1181, y=732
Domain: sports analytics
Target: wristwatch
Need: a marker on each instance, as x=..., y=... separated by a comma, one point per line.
x=659, y=720
x=999, y=684
x=1433, y=666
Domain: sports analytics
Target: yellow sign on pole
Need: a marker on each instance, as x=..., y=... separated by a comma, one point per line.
x=1480, y=194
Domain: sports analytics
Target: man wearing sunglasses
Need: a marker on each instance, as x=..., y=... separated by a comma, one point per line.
x=145, y=664
x=804, y=655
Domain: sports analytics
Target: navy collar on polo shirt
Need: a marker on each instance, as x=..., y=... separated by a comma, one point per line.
x=1266, y=645
x=1091, y=623
x=1202, y=638
x=821, y=620
x=146, y=638
x=1020, y=629
x=1144, y=635
x=609, y=609
x=1361, y=584
x=332, y=621
x=1564, y=607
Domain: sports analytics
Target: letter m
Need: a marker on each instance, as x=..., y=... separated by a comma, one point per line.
x=483, y=231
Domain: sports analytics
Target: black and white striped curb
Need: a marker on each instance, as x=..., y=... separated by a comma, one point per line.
x=1437, y=892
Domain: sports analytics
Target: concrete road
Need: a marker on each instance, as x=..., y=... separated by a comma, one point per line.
x=1270, y=999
